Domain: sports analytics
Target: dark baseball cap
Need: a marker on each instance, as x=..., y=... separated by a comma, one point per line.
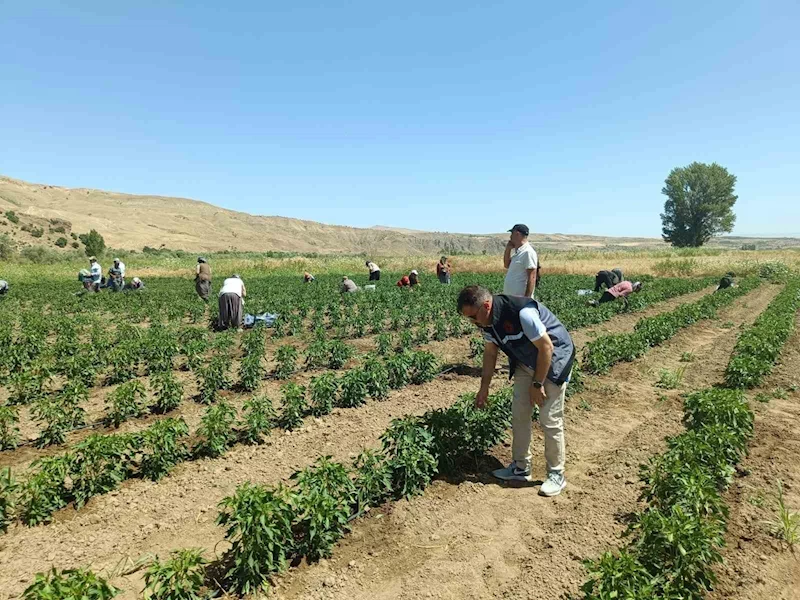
x=523, y=229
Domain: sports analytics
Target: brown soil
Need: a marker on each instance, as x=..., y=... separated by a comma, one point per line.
x=461, y=539
x=757, y=564
x=477, y=539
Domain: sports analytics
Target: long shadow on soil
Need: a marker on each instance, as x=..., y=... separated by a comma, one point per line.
x=479, y=470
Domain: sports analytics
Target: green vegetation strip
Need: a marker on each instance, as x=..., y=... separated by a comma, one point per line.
x=606, y=351
x=100, y=463
x=759, y=346
x=676, y=540
x=269, y=527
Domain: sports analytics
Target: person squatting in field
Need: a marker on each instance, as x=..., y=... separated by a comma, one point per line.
x=231, y=303
x=540, y=354
x=726, y=282
x=607, y=279
x=3, y=287
x=622, y=290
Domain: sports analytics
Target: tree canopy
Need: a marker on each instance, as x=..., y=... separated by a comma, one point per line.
x=93, y=242
x=699, y=204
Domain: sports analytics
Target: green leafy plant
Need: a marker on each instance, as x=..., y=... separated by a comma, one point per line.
x=317, y=354
x=69, y=584
x=216, y=430
x=373, y=479
x=259, y=416
x=409, y=448
x=383, y=344
x=669, y=380
x=619, y=576
x=163, y=446
x=168, y=392
x=293, y=406
x=61, y=413
x=424, y=367
x=9, y=431
x=286, y=361
x=323, y=394
x=338, y=354
x=215, y=378
x=45, y=491
x=398, y=368
x=258, y=523
x=322, y=500
x=353, y=389
x=180, y=577
x=128, y=400
x=8, y=494
x=99, y=464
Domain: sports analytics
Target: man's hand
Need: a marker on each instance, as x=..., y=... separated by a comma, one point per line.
x=481, y=397
x=537, y=396
x=510, y=244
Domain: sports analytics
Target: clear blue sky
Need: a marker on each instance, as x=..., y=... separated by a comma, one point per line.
x=460, y=116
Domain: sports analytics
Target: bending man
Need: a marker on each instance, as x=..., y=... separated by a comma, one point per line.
x=540, y=354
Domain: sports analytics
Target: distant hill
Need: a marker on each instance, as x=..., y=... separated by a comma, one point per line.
x=131, y=222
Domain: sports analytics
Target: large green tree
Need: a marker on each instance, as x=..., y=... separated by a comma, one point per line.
x=93, y=242
x=699, y=202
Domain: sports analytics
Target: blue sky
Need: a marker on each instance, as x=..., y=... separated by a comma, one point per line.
x=458, y=116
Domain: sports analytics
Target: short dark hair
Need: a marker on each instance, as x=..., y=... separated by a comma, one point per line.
x=472, y=295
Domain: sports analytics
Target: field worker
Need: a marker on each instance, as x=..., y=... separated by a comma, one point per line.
x=202, y=278
x=622, y=290
x=726, y=281
x=348, y=285
x=607, y=278
x=121, y=266
x=308, y=277
x=136, y=284
x=404, y=281
x=520, y=262
x=96, y=272
x=540, y=354
x=114, y=280
x=443, y=270
x=3, y=287
x=231, y=303
x=413, y=278
x=374, y=271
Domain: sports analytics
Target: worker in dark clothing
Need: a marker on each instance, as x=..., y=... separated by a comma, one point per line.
x=726, y=281
x=607, y=278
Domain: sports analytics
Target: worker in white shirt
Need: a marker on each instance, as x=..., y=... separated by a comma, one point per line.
x=96, y=272
x=520, y=262
x=231, y=303
x=374, y=271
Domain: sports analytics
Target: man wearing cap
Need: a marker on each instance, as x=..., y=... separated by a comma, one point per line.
x=520, y=262
x=540, y=354
x=348, y=285
x=202, y=278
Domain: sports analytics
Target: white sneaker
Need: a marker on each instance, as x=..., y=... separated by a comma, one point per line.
x=513, y=473
x=554, y=484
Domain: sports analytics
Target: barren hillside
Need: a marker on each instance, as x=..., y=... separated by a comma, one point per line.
x=129, y=221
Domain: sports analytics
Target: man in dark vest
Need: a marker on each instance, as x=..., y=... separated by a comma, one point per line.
x=607, y=278
x=540, y=353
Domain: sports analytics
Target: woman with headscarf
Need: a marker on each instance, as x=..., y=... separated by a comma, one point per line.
x=202, y=278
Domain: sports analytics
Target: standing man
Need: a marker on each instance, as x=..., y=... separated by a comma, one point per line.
x=374, y=271
x=540, y=353
x=520, y=261
x=231, y=303
x=443, y=270
x=96, y=273
x=202, y=279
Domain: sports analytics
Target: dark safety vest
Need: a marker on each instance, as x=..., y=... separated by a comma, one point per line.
x=506, y=332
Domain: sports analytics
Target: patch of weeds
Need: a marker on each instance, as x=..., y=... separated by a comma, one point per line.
x=763, y=397
x=669, y=380
x=727, y=325
x=786, y=524
x=687, y=357
x=758, y=499
x=780, y=394
x=584, y=405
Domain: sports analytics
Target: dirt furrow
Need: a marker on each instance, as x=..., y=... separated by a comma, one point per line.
x=757, y=563
x=477, y=539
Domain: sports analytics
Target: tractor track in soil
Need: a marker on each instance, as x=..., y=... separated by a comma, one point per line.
x=115, y=530
x=470, y=537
